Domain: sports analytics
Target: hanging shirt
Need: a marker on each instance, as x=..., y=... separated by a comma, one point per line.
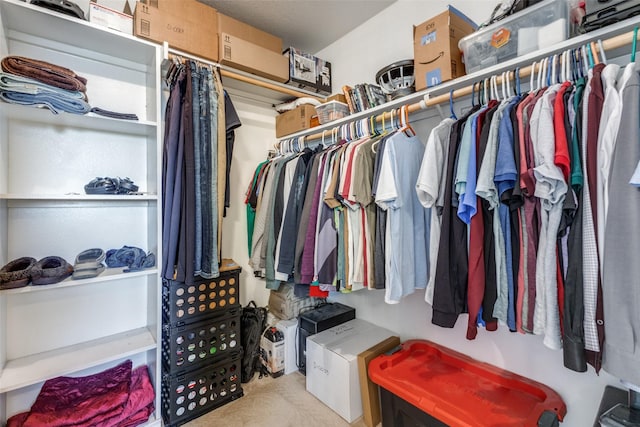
x=620, y=290
x=505, y=179
x=430, y=187
x=551, y=189
x=611, y=111
x=408, y=219
x=450, y=287
x=487, y=190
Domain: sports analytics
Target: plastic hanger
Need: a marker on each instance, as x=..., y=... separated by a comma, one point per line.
x=587, y=52
x=602, y=54
x=532, y=75
x=405, y=127
x=473, y=95
x=594, y=53
x=634, y=43
x=453, y=113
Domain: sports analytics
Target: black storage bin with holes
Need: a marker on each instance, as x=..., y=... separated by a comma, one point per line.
x=189, y=346
x=188, y=395
x=183, y=303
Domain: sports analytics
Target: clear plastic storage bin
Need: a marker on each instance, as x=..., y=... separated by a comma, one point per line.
x=332, y=110
x=536, y=27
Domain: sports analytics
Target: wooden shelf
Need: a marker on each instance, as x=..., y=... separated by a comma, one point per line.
x=36, y=368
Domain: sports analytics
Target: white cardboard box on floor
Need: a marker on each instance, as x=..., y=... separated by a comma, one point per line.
x=289, y=329
x=332, y=364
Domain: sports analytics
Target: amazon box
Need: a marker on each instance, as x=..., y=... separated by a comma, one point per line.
x=435, y=47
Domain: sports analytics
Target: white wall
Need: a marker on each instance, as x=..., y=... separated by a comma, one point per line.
x=356, y=58
x=253, y=139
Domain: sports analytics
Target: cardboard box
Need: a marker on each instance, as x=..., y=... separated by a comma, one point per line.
x=250, y=57
x=186, y=25
x=295, y=120
x=337, y=97
x=435, y=47
x=332, y=366
x=246, y=32
x=308, y=71
x=289, y=328
x=369, y=389
x=110, y=18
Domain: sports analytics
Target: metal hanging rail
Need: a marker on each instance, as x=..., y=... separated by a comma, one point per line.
x=464, y=86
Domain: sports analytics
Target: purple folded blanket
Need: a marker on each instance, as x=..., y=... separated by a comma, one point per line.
x=44, y=72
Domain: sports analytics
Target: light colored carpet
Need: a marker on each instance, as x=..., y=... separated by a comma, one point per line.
x=274, y=402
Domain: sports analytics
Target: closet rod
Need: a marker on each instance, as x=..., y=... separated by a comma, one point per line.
x=614, y=42
x=233, y=74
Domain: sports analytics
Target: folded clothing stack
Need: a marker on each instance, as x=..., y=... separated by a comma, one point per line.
x=116, y=397
x=29, y=81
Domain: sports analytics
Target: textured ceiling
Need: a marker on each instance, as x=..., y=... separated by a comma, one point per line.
x=309, y=25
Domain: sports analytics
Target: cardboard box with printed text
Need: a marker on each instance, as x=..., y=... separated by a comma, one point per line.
x=435, y=47
x=186, y=25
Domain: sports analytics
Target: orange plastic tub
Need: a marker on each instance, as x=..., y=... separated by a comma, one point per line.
x=460, y=391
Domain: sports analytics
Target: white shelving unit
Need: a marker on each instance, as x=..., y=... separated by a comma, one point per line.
x=77, y=327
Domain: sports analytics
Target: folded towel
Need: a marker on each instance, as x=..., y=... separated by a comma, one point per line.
x=45, y=72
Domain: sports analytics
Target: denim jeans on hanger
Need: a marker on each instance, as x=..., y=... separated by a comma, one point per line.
x=173, y=154
x=210, y=255
x=197, y=156
x=204, y=121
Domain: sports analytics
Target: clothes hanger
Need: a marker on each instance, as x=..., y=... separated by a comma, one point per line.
x=532, y=76
x=453, y=113
x=602, y=54
x=406, y=126
x=473, y=94
x=487, y=88
x=589, y=56
x=594, y=53
x=494, y=88
x=634, y=43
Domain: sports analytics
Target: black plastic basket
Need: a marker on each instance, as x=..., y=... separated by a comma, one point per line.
x=186, y=396
x=188, y=303
x=187, y=347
